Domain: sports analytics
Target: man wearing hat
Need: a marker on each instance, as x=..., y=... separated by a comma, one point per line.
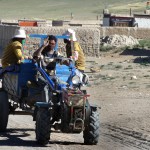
x=12, y=54
x=74, y=50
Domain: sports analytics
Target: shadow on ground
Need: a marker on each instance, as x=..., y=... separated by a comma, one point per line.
x=144, y=55
x=136, y=52
x=14, y=137
x=144, y=61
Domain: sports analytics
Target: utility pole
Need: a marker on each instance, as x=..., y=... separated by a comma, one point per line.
x=71, y=15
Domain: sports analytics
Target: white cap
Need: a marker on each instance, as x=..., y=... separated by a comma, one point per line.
x=20, y=33
x=71, y=33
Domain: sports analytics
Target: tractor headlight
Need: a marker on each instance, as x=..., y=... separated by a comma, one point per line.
x=75, y=79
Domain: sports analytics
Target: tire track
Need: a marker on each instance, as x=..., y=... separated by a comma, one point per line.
x=127, y=137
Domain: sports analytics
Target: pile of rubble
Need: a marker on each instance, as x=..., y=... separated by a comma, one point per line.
x=119, y=41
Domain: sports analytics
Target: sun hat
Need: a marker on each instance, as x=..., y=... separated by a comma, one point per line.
x=71, y=34
x=20, y=33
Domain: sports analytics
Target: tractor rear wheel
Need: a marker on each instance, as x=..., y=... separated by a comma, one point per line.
x=91, y=132
x=43, y=127
x=4, y=110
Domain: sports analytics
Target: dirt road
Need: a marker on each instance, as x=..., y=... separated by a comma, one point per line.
x=121, y=88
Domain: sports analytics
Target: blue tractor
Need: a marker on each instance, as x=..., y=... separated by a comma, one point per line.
x=54, y=101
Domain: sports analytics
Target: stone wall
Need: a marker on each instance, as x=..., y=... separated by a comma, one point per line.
x=89, y=38
x=138, y=33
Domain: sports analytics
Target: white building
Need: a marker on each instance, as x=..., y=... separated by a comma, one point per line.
x=143, y=21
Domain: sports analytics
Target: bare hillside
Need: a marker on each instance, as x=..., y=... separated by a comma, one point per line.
x=62, y=9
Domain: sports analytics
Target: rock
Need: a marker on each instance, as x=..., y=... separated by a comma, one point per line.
x=119, y=41
x=92, y=69
x=109, y=75
x=134, y=77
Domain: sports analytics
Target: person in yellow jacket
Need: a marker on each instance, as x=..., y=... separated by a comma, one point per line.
x=12, y=54
x=74, y=50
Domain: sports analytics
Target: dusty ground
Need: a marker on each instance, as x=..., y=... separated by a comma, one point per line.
x=121, y=88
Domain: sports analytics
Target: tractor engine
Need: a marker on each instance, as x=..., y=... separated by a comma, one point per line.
x=73, y=110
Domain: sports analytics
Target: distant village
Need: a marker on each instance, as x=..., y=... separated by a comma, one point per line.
x=108, y=19
x=130, y=20
x=103, y=26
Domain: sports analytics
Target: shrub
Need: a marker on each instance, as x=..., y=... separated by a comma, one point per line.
x=106, y=48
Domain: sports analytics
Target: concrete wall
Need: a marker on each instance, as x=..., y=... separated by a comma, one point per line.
x=106, y=22
x=143, y=22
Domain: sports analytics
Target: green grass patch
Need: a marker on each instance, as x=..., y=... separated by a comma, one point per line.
x=147, y=86
x=106, y=48
x=124, y=77
x=146, y=76
x=129, y=67
x=110, y=63
x=96, y=83
x=144, y=43
x=62, y=9
x=118, y=66
x=104, y=77
x=132, y=82
x=102, y=66
x=144, y=63
x=89, y=85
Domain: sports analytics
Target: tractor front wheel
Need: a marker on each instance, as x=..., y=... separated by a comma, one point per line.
x=91, y=132
x=43, y=127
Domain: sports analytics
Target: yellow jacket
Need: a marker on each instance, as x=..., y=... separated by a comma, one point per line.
x=12, y=54
x=80, y=63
